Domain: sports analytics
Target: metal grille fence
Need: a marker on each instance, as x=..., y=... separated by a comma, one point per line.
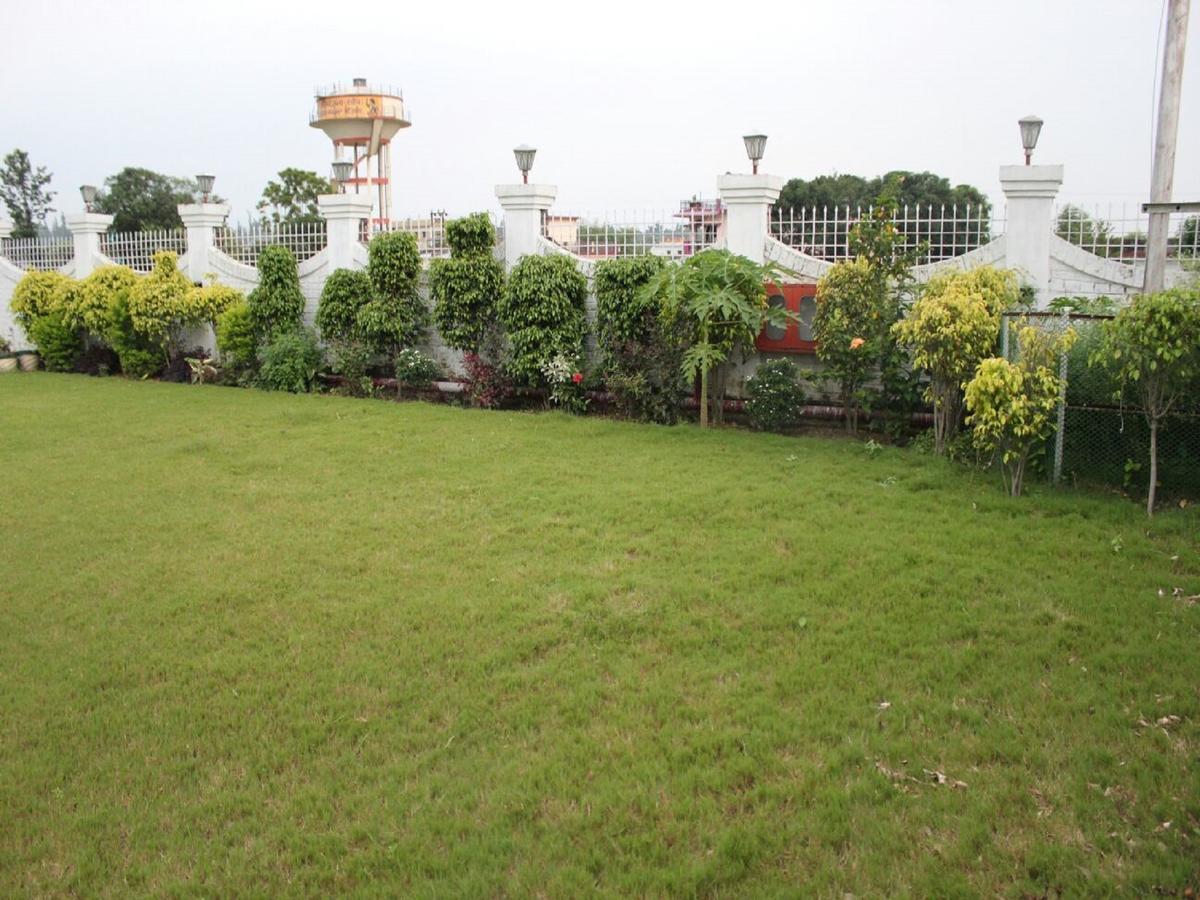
x=45, y=254
x=430, y=233
x=696, y=226
x=943, y=232
x=136, y=249
x=1099, y=439
x=245, y=243
x=1117, y=232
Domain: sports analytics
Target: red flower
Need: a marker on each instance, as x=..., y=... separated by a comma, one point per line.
x=577, y=377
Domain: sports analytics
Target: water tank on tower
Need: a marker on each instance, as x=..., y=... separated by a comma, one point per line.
x=361, y=120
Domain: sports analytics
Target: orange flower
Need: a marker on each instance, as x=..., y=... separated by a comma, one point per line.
x=856, y=343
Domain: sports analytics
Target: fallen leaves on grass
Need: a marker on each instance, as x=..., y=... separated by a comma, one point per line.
x=941, y=778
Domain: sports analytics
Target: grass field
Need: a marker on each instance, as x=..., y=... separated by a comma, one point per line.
x=257, y=644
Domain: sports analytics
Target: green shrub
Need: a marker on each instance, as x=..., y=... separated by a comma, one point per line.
x=57, y=341
x=345, y=293
x=36, y=295
x=849, y=327
x=543, y=310
x=397, y=316
x=415, y=369
x=290, y=361
x=276, y=304
x=351, y=359
x=624, y=313
x=465, y=289
x=140, y=357
x=207, y=304
x=157, y=303
x=237, y=340
x=86, y=305
x=776, y=399
x=471, y=234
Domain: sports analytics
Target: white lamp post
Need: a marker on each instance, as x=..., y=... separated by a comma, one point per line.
x=524, y=155
x=341, y=173
x=1031, y=127
x=205, y=183
x=755, y=145
x=88, y=192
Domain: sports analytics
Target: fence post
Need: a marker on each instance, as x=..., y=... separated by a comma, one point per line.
x=344, y=215
x=747, y=200
x=525, y=208
x=86, y=229
x=201, y=220
x=1030, y=193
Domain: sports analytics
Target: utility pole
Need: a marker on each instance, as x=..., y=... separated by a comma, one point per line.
x=1162, y=177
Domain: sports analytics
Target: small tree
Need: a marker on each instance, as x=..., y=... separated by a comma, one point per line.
x=24, y=190
x=158, y=303
x=345, y=293
x=276, y=304
x=466, y=286
x=141, y=200
x=396, y=316
x=950, y=329
x=544, y=313
x=850, y=306
x=1012, y=404
x=1152, y=347
x=292, y=199
x=721, y=300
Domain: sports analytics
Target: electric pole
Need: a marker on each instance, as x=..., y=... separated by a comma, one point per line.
x=1162, y=177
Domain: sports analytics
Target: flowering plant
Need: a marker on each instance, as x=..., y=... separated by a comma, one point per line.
x=565, y=383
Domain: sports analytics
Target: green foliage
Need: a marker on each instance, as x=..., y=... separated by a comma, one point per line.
x=159, y=302
x=905, y=188
x=397, y=316
x=87, y=306
x=471, y=234
x=351, y=359
x=57, y=342
x=292, y=199
x=237, y=338
x=25, y=192
x=1012, y=404
x=1152, y=349
x=950, y=329
x=850, y=328
x=290, y=361
x=543, y=310
x=465, y=290
x=140, y=356
x=719, y=300
x=776, y=399
x=208, y=303
x=624, y=313
x=1092, y=306
x=345, y=293
x=415, y=369
x=142, y=200
x=1076, y=226
x=276, y=303
x=37, y=294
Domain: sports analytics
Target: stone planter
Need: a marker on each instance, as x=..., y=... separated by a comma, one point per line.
x=8, y=363
x=28, y=360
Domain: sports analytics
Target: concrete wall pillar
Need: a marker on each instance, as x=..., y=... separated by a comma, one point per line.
x=344, y=215
x=524, y=207
x=1030, y=193
x=6, y=229
x=747, y=200
x=201, y=220
x=86, y=229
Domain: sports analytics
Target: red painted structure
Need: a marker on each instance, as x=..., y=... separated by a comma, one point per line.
x=795, y=336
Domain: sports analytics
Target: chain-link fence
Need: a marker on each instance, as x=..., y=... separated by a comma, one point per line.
x=1100, y=438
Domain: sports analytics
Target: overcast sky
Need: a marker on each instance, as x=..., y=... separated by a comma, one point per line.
x=632, y=106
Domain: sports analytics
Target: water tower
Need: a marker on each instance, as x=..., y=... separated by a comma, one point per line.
x=361, y=121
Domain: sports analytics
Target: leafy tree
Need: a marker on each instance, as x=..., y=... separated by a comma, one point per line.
x=850, y=301
x=1075, y=225
x=276, y=304
x=543, y=311
x=397, y=316
x=1189, y=237
x=1152, y=347
x=720, y=298
x=24, y=190
x=1012, y=404
x=950, y=329
x=345, y=293
x=466, y=286
x=292, y=199
x=142, y=200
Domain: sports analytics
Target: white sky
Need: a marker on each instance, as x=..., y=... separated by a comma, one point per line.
x=632, y=106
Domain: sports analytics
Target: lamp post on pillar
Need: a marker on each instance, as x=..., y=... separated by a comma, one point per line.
x=86, y=228
x=525, y=208
x=1029, y=191
x=747, y=200
x=201, y=220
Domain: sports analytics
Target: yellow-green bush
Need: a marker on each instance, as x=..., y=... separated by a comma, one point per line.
x=86, y=303
x=38, y=294
x=206, y=304
x=158, y=302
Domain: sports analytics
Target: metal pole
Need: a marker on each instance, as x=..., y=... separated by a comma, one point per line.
x=1163, y=176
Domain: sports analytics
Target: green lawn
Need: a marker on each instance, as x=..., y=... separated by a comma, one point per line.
x=262, y=644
